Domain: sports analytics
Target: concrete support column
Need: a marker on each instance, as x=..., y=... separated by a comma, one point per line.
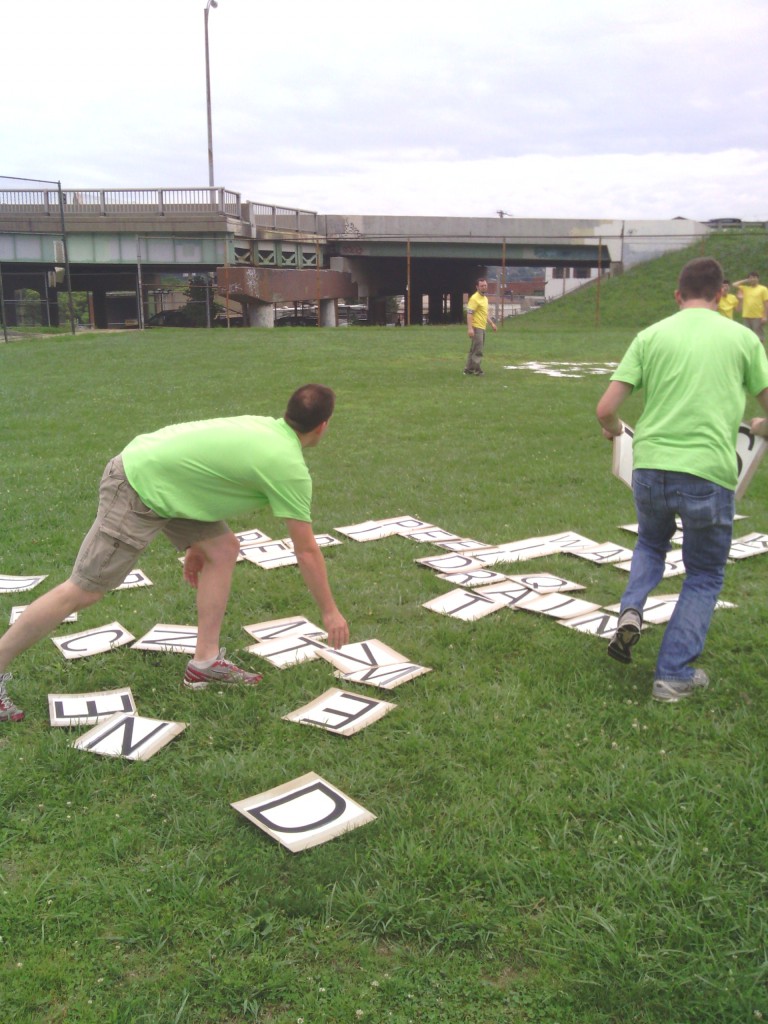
x=99, y=299
x=260, y=314
x=377, y=311
x=328, y=313
x=457, y=307
x=53, y=306
x=435, y=300
x=9, y=302
x=417, y=307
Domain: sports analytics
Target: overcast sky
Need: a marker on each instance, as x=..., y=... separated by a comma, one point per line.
x=560, y=109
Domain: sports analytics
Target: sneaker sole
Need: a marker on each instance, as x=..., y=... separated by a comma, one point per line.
x=195, y=686
x=672, y=698
x=16, y=716
x=203, y=684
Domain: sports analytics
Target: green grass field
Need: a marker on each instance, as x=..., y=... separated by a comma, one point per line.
x=551, y=847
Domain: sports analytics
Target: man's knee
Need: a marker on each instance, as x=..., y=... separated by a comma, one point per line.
x=224, y=548
x=78, y=597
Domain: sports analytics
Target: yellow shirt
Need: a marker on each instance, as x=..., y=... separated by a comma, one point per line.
x=754, y=299
x=478, y=307
x=726, y=305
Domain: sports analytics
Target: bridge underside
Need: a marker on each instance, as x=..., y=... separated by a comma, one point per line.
x=123, y=243
x=373, y=279
x=113, y=290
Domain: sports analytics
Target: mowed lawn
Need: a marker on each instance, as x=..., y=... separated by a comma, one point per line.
x=550, y=845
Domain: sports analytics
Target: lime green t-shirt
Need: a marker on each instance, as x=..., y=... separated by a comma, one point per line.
x=694, y=368
x=213, y=469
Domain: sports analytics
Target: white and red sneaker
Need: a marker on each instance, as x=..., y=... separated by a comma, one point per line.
x=221, y=672
x=8, y=710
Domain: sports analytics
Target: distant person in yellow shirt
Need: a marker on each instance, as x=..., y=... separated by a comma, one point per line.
x=477, y=318
x=728, y=303
x=754, y=303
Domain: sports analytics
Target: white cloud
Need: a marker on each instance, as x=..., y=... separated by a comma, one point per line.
x=620, y=186
x=590, y=109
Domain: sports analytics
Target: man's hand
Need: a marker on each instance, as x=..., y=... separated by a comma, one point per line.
x=193, y=565
x=337, y=629
x=759, y=426
x=609, y=434
x=313, y=571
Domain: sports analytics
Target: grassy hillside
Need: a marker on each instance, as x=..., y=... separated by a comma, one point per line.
x=645, y=293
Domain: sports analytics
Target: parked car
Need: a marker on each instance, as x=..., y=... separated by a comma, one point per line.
x=178, y=318
x=725, y=222
x=168, y=318
x=352, y=315
x=296, y=320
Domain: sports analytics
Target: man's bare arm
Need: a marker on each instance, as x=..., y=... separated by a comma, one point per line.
x=313, y=571
x=759, y=425
x=608, y=407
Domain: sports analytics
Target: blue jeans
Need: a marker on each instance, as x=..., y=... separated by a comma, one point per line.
x=706, y=511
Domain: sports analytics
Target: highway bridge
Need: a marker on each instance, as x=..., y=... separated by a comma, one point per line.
x=110, y=242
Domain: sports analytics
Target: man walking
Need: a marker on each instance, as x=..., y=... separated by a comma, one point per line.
x=183, y=481
x=695, y=367
x=477, y=318
x=754, y=304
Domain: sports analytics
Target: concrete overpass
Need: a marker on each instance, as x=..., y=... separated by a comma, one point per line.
x=441, y=256
x=124, y=241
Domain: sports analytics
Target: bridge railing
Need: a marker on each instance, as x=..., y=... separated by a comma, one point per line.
x=281, y=218
x=111, y=202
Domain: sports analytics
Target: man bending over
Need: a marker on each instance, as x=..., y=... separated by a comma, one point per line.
x=184, y=481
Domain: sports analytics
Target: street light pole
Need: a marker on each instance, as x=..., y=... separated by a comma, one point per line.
x=65, y=247
x=211, y=3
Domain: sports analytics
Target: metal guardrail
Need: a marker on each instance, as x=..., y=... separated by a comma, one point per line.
x=281, y=218
x=111, y=202
x=81, y=203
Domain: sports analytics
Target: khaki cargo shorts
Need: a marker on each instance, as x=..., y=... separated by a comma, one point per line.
x=123, y=528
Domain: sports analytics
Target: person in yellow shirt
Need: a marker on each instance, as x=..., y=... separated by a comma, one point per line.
x=754, y=303
x=477, y=318
x=728, y=304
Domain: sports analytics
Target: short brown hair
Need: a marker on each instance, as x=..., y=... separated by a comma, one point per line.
x=702, y=278
x=308, y=407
